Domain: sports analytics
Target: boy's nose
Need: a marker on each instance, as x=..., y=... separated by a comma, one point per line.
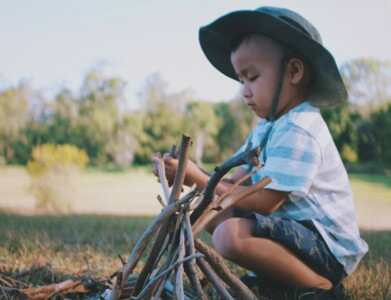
x=246, y=92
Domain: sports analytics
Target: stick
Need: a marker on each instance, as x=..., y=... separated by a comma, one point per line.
x=215, y=203
x=192, y=263
x=179, y=292
x=249, y=157
x=143, y=242
x=216, y=282
x=216, y=261
x=159, y=163
x=169, y=269
x=228, y=202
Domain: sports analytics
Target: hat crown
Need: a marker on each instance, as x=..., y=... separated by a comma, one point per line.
x=293, y=19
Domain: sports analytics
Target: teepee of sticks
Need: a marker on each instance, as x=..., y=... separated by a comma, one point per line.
x=175, y=252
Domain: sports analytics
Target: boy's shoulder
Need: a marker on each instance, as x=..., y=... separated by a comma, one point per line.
x=306, y=117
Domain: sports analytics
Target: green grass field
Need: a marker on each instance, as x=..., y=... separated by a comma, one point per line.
x=113, y=209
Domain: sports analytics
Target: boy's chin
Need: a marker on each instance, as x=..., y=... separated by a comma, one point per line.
x=262, y=115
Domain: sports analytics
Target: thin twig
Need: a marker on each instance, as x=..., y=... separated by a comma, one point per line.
x=143, y=242
x=216, y=202
x=229, y=202
x=163, y=231
x=168, y=270
x=249, y=157
x=159, y=163
x=192, y=263
x=214, y=279
x=216, y=261
x=179, y=292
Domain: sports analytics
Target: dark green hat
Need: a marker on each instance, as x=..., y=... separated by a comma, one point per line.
x=286, y=26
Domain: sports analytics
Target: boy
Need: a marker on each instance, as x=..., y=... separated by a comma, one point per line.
x=300, y=231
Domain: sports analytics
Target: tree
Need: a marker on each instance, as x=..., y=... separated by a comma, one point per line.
x=368, y=81
x=15, y=115
x=236, y=123
x=202, y=125
x=381, y=121
x=102, y=110
x=161, y=117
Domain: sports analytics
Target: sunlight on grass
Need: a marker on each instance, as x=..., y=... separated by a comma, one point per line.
x=134, y=192
x=372, y=196
x=51, y=248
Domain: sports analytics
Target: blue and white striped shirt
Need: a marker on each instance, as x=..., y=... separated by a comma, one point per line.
x=301, y=158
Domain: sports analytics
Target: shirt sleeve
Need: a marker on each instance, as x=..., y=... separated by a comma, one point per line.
x=293, y=158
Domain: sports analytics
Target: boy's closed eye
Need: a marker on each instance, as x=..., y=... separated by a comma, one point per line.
x=249, y=78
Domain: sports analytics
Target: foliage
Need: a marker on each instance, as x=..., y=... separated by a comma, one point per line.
x=368, y=81
x=53, y=170
x=203, y=126
x=15, y=115
x=97, y=119
x=381, y=122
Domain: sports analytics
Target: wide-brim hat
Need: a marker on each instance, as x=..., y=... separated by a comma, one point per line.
x=286, y=26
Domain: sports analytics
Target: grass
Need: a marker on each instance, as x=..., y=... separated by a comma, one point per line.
x=42, y=249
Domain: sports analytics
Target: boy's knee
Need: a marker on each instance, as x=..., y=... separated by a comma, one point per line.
x=224, y=240
x=227, y=238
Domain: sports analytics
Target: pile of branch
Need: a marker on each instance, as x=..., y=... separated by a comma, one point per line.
x=174, y=253
x=11, y=288
x=174, y=250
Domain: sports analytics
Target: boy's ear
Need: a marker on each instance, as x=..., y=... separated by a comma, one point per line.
x=296, y=70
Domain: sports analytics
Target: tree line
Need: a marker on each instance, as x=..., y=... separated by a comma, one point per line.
x=97, y=119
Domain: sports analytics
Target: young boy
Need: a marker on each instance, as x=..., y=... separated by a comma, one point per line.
x=300, y=230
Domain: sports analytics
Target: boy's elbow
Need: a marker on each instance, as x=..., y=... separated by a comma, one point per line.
x=269, y=208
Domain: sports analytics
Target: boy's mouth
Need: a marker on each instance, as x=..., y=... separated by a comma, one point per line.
x=251, y=106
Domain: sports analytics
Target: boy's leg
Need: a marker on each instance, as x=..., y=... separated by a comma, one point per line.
x=220, y=218
x=235, y=240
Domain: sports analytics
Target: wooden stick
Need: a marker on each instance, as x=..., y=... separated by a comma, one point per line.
x=250, y=156
x=216, y=203
x=181, y=169
x=179, y=292
x=192, y=263
x=159, y=163
x=163, y=231
x=214, y=279
x=228, y=202
x=216, y=261
x=168, y=270
x=47, y=291
x=143, y=242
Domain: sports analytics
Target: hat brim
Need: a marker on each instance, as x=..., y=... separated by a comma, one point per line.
x=216, y=38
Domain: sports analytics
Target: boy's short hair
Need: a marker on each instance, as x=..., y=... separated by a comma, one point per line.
x=287, y=27
x=287, y=50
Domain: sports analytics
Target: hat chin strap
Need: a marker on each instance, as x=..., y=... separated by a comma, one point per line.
x=273, y=110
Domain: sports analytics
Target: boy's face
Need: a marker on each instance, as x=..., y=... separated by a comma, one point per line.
x=256, y=62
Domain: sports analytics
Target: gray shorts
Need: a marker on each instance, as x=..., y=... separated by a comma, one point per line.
x=304, y=240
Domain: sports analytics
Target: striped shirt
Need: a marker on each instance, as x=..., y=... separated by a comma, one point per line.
x=301, y=158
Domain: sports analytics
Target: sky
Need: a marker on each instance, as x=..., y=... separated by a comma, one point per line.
x=53, y=43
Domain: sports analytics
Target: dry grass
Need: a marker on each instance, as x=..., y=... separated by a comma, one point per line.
x=40, y=249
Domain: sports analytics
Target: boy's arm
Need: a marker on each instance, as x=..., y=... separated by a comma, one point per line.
x=265, y=201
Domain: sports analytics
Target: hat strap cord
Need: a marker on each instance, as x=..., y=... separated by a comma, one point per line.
x=273, y=110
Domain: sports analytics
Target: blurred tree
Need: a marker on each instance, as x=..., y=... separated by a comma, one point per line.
x=15, y=115
x=368, y=81
x=236, y=123
x=381, y=122
x=162, y=118
x=64, y=119
x=102, y=107
x=202, y=125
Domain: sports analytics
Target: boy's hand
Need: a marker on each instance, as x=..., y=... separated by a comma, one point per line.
x=171, y=166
